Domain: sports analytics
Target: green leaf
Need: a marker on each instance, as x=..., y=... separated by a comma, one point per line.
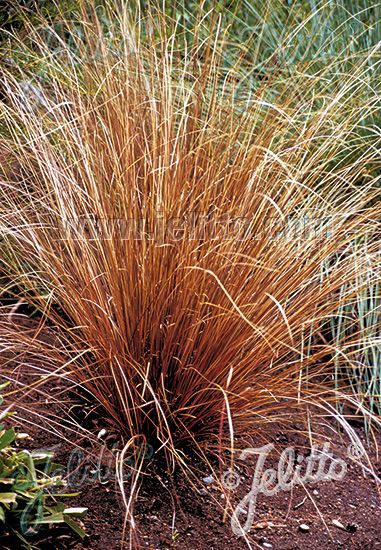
x=5, y=414
x=2, y=514
x=59, y=507
x=41, y=458
x=76, y=512
x=7, y=438
x=51, y=519
x=7, y=480
x=24, y=541
x=74, y=525
x=64, y=495
x=8, y=498
x=24, y=486
x=25, y=494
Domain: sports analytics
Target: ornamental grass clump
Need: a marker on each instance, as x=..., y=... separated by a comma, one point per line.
x=181, y=232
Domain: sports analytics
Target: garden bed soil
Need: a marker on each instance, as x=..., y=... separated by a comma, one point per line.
x=173, y=511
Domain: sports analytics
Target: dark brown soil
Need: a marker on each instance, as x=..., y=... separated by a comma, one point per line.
x=174, y=511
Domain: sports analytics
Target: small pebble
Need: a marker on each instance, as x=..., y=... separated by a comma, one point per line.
x=338, y=524
x=208, y=480
x=267, y=545
x=304, y=527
